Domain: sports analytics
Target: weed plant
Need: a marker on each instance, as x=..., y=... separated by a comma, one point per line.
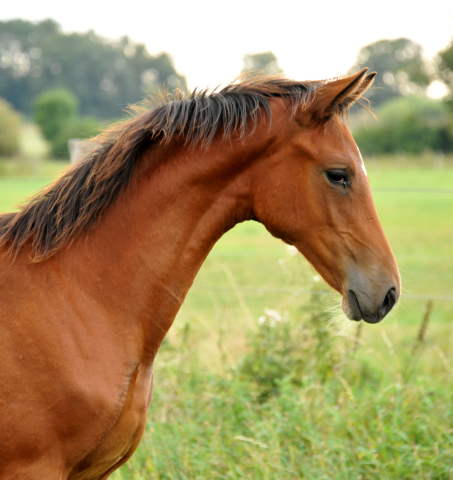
x=302, y=403
x=294, y=349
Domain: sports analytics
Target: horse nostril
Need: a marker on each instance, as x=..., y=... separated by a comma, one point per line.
x=389, y=303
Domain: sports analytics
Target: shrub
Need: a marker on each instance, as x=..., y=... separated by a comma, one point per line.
x=85, y=127
x=410, y=124
x=54, y=110
x=294, y=349
x=9, y=129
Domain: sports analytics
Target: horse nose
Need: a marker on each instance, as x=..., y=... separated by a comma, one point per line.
x=388, y=303
x=357, y=305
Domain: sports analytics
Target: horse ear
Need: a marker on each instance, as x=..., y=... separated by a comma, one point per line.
x=337, y=96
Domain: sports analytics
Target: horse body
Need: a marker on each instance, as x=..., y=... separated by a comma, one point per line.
x=79, y=330
x=65, y=378
x=104, y=306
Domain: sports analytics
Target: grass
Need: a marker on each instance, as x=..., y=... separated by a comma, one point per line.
x=372, y=405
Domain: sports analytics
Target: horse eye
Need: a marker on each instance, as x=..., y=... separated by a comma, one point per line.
x=338, y=177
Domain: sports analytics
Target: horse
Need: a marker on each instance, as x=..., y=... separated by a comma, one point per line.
x=94, y=268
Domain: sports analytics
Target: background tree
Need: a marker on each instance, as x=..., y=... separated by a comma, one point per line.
x=446, y=71
x=400, y=69
x=265, y=62
x=81, y=128
x=10, y=122
x=105, y=76
x=56, y=113
x=54, y=110
x=411, y=124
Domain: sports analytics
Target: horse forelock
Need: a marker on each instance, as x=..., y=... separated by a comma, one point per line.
x=76, y=200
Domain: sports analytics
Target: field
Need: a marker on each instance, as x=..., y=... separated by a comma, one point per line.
x=254, y=379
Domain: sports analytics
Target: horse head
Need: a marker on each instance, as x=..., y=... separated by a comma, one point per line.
x=315, y=195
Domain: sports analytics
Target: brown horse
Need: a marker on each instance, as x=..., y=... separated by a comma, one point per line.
x=94, y=269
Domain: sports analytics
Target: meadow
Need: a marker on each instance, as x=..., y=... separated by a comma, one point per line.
x=260, y=377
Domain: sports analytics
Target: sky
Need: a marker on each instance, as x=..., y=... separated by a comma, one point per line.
x=208, y=39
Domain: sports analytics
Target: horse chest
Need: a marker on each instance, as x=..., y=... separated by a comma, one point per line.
x=122, y=437
x=77, y=419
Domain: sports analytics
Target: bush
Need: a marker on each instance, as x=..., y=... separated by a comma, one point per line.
x=9, y=129
x=410, y=124
x=54, y=110
x=56, y=114
x=78, y=128
x=296, y=349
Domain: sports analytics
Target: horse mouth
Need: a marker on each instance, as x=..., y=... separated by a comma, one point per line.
x=351, y=306
x=352, y=309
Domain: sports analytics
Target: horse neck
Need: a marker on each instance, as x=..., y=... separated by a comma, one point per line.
x=143, y=256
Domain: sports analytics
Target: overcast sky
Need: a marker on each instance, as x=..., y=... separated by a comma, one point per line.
x=208, y=38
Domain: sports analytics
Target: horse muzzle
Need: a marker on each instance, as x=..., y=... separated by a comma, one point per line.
x=359, y=305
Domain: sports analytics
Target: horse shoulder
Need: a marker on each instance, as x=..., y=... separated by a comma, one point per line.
x=80, y=400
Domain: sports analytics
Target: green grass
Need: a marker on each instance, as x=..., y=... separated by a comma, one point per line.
x=215, y=429
x=374, y=405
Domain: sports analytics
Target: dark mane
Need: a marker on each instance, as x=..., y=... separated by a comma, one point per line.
x=76, y=201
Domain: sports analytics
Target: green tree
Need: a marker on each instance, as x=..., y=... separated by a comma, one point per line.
x=54, y=110
x=9, y=129
x=106, y=76
x=411, y=124
x=400, y=69
x=265, y=62
x=446, y=71
x=84, y=127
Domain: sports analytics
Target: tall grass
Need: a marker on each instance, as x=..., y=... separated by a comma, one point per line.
x=302, y=402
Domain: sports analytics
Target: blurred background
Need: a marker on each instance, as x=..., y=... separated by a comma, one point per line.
x=260, y=376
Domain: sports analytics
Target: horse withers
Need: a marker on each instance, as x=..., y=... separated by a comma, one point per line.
x=94, y=269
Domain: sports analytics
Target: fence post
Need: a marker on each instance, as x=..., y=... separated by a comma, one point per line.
x=79, y=147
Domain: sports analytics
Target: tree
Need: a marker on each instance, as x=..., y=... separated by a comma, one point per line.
x=56, y=113
x=54, y=110
x=400, y=69
x=9, y=129
x=81, y=128
x=446, y=71
x=261, y=63
x=411, y=124
x=105, y=76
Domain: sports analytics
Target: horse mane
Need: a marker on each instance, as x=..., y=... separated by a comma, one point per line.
x=74, y=202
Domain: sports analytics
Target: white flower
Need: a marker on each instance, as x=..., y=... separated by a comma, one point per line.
x=273, y=315
x=292, y=250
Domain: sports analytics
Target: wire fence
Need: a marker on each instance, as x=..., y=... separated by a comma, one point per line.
x=412, y=189
x=295, y=292
x=290, y=291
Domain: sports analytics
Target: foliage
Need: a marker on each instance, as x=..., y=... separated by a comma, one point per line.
x=400, y=68
x=10, y=123
x=360, y=421
x=446, y=70
x=203, y=426
x=410, y=124
x=105, y=76
x=290, y=350
x=56, y=114
x=85, y=127
x=265, y=62
x=53, y=110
